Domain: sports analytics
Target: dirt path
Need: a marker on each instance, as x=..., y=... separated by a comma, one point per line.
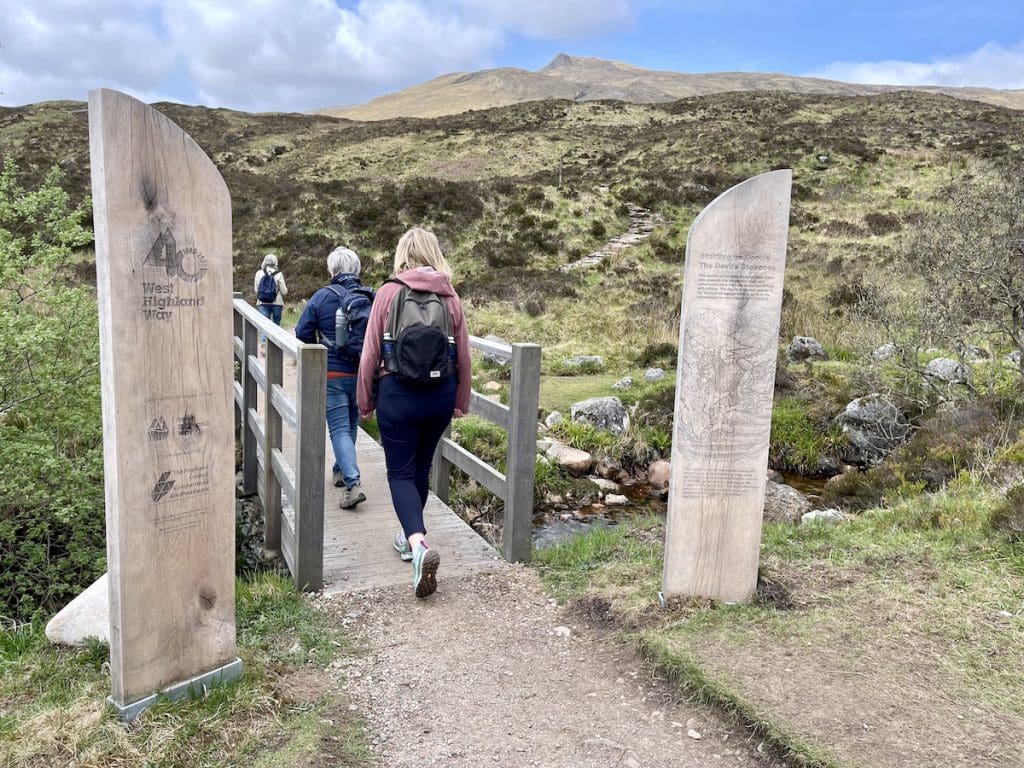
x=641, y=223
x=489, y=672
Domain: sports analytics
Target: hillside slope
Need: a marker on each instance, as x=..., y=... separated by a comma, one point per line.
x=582, y=78
x=865, y=169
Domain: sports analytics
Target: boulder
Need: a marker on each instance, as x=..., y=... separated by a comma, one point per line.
x=608, y=468
x=947, y=370
x=1013, y=357
x=874, y=425
x=974, y=354
x=554, y=419
x=654, y=374
x=884, y=352
x=616, y=500
x=572, y=460
x=604, y=484
x=606, y=413
x=658, y=474
x=492, y=386
x=495, y=359
x=624, y=383
x=784, y=503
x=805, y=349
x=87, y=616
x=823, y=515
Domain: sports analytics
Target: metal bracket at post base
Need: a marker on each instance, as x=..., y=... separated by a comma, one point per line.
x=189, y=688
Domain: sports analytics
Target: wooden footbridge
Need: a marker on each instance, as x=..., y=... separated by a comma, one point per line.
x=280, y=401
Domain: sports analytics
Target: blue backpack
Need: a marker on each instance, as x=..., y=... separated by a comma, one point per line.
x=350, y=321
x=266, y=291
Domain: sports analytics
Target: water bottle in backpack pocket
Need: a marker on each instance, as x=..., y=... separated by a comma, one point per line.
x=419, y=343
x=350, y=320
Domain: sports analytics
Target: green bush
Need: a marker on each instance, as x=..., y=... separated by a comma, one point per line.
x=51, y=487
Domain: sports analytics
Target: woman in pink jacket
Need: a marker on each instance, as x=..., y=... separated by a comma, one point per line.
x=413, y=416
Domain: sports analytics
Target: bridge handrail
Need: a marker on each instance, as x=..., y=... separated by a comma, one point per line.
x=519, y=419
x=301, y=537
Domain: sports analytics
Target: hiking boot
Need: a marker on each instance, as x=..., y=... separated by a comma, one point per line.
x=339, y=479
x=425, y=562
x=402, y=547
x=351, y=497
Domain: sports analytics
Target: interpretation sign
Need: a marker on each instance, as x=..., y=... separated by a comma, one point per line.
x=728, y=337
x=163, y=261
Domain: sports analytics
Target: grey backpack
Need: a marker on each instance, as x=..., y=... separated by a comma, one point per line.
x=419, y=343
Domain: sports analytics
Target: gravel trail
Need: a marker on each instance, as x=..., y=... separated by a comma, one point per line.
x=490, y=672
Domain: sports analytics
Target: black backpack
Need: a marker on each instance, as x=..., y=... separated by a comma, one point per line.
x=350, y=320
x=419, y=343
x=267, y=289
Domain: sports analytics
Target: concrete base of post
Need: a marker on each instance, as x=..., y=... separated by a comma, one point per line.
x=189, y=688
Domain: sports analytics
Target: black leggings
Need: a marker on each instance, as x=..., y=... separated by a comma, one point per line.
x=411, y=423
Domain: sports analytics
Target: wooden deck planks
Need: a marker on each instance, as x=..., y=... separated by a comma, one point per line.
x=358, y=552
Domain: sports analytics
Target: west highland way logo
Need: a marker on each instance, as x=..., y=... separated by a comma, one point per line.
x=187, y=264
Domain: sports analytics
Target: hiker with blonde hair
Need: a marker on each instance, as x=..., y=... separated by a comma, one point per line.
x=415, y=371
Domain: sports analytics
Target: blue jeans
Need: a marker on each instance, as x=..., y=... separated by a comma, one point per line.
x=343, y=424
x=411, y=423
x=271, y=311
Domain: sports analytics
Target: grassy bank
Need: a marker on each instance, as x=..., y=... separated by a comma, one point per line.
x=283, y=712
x=895, y=639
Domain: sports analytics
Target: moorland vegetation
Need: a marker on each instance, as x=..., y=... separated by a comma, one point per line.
x=906, y=229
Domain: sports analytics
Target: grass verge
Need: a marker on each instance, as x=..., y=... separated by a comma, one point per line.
x=895, y=639
x=283, y=712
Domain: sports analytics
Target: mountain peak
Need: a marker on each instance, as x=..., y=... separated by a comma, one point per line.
x=560, y=60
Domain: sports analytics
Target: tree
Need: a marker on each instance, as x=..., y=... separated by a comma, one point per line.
x=48, y=333
x=51, y=444
x=970, y=258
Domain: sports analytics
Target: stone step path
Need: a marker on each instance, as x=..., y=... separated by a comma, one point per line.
x=642, y=222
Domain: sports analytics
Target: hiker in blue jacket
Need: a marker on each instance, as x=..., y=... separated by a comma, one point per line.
x=318, y=325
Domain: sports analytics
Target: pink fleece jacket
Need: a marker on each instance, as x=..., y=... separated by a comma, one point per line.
x=421, y=279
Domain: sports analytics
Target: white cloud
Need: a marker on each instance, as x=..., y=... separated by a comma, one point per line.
x=992, y=66
x=268, y=54
x=548, y=19
x=60, y=49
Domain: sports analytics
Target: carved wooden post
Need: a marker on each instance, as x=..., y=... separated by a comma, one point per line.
x=728, y=337
x=524, y=397
x=163, y=251
x=311, y=409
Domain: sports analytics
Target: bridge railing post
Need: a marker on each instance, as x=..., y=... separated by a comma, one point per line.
x=524, y=399
x=250, y=391
x=238, y=323
x=274, y=369
x=440, y=469
x=311, y=405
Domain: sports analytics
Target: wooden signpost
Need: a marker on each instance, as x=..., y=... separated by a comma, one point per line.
x=163, y=251
x=728, y=337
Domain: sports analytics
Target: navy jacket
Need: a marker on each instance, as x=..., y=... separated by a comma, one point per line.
x=317, y=322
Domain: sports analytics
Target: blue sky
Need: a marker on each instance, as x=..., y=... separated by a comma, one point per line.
x=263, y=55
